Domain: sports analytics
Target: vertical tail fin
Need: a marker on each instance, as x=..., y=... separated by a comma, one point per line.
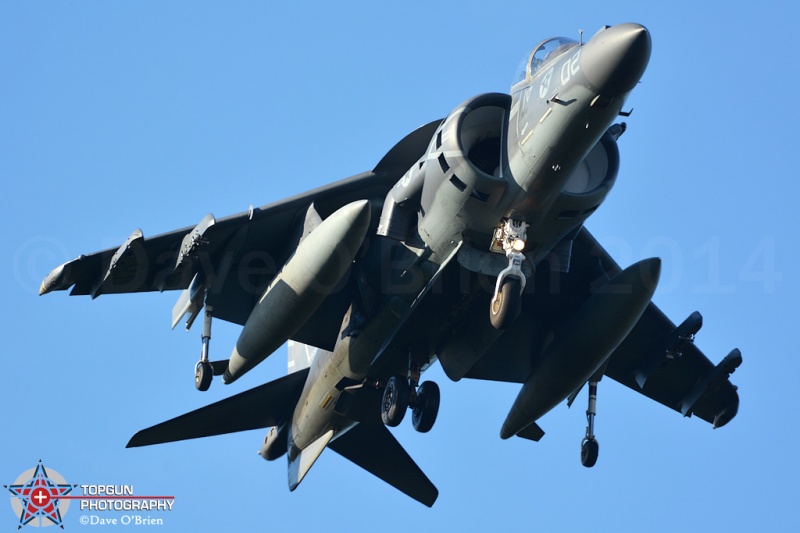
x=301, y=356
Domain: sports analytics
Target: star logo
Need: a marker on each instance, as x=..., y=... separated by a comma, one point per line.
x=37, y=494
x=545, y=85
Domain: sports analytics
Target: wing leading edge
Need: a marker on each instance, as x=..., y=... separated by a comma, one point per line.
x=231, y=260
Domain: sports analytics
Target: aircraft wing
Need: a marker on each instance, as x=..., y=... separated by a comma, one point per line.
x=658, y=359
x=661, y=361
x=233, y=259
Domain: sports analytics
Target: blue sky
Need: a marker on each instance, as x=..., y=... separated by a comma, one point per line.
x=120, y=115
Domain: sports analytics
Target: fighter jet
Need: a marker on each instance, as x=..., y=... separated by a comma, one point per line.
x=465, y=245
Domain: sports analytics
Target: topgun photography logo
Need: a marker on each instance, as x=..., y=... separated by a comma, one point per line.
x=41, y=497
x=38, y=500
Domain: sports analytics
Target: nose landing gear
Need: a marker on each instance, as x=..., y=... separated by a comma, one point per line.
x=506, y=302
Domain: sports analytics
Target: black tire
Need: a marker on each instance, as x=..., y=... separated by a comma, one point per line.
x=504, y=309
x=590, y=449
x=423, y=416
x=395, y=401
x=203, y=373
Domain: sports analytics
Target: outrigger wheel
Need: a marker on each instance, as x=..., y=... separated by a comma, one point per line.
x=203, y=373
x=395, y=401
x=589, y=451
x=589, y=446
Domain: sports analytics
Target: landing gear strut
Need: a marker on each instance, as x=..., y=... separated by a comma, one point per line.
x=402, y=393
x=507, y=299
x=203, y=371
x=589, y=446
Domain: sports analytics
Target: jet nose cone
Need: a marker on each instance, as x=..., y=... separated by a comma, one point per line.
x=615, y=59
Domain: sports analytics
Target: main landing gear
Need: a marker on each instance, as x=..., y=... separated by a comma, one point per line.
x=589, y=446
x=402, y=393
x=506, y=302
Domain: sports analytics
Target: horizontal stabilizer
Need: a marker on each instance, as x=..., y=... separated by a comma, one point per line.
x=264, y=406
x=374, y=448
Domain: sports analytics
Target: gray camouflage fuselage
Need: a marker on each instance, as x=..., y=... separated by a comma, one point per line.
x=554, y=118
x=374, y=278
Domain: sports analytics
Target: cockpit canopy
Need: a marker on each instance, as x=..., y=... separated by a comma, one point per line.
x=543, y=54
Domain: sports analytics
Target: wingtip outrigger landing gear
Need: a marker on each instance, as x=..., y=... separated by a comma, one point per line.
x=506, y=302
x=589, y=446
x=203, y=371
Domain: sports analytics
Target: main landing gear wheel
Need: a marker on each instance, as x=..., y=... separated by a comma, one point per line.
x=203, y=373
x=589, y=451
x=395, y=401
x=506, y=306
x=426, y=407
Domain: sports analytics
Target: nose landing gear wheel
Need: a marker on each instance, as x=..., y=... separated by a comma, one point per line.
x=395, y=401
x=589, y=452
x=506, y=306
x=203, y=373
x=426, y=408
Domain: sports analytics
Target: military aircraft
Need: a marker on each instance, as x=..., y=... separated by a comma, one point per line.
x=465, y=244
